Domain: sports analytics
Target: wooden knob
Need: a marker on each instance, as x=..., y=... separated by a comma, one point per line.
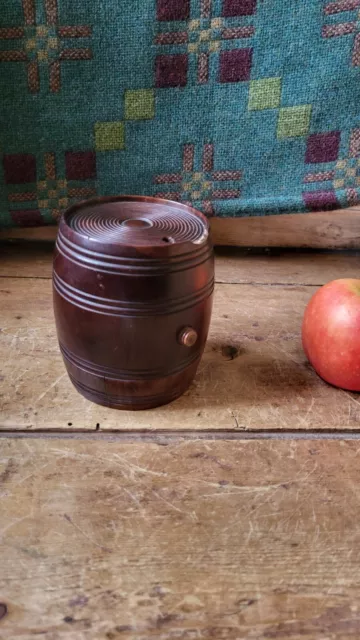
x=188, y=337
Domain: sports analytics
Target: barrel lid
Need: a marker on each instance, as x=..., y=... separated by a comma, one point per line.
x=136, y=220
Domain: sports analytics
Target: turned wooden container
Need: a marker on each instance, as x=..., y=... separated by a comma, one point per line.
x=133, y=279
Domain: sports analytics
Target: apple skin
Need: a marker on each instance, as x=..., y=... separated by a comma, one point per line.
x=331, y=333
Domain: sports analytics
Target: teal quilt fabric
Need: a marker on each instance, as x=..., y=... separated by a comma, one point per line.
x=239, y=107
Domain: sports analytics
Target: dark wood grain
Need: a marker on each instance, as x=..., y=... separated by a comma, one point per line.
x=133, y=282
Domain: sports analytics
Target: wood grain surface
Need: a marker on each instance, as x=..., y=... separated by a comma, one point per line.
x=253, y=376
x=191, y=541
x=26, y=259
x=174, y=537
x=233, y=266
x=322, y=229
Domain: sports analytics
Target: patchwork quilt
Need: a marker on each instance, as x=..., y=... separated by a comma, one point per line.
x=239, y=107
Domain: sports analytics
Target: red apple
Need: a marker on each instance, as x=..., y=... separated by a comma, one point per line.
x=331, y=333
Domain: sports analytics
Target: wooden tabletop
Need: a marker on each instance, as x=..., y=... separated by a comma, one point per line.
x=253, y=376
x=231, y=514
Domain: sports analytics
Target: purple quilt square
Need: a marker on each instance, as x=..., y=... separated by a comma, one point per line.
x=320, y=200
x=235, y=65
x=19, y=168
x=27, y=218
x=171, y=70
x=323, y=147
x=173, y=9
x=232, y=8
x=80, y=165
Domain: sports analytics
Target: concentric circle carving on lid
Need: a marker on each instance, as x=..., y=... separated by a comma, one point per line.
x=138, y=223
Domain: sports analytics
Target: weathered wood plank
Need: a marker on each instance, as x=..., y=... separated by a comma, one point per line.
x=253, y=375
x=26, y=259
x=324, y=229
x=284, y=267
x=338, y=229
x=198, y=540
x=46, y=233
x=34, y=260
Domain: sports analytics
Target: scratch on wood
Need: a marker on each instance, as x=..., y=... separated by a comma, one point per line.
x=136, y=468
x=85, y=534
x=12, y=524
x=43, y=394
x=235, y=419
x=172, y=506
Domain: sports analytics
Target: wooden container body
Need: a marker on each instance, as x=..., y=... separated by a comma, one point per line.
x=120, y=310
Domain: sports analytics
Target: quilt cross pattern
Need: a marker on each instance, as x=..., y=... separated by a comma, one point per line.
x=238, y=107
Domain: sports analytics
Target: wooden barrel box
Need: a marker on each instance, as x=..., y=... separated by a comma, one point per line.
x=133, y=280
